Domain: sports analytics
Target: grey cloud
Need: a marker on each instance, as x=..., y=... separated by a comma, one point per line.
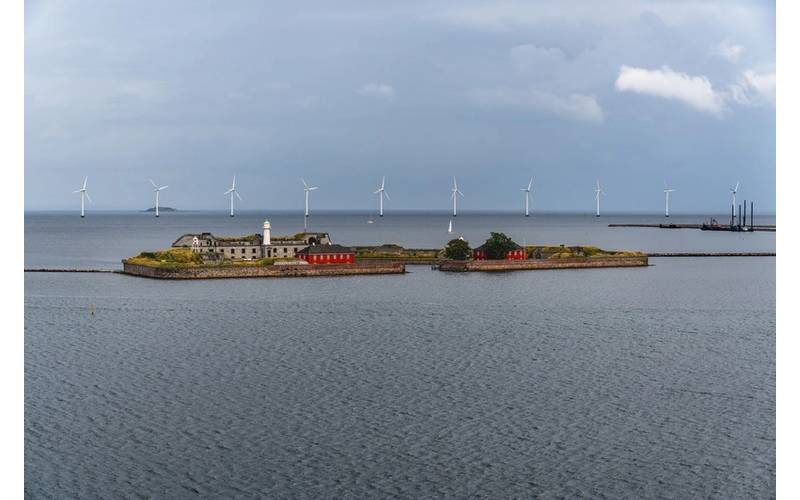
x=574, y=106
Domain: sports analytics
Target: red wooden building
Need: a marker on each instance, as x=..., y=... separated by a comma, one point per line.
x=327, y=254
x=516, y=253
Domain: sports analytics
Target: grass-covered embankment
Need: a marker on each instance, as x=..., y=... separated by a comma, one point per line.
x=185, y=258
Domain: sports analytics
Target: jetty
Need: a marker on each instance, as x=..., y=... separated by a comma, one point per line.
x=705, y=227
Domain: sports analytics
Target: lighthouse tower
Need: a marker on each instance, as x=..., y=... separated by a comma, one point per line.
x=265, y=241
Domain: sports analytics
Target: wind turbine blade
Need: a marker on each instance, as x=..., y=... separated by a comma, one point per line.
x=304, y=183
x=153, y=183
x=87, y=196
x=237, y=195
x=376, y=192
x=162, y=188
x=77, y=190
x=459, y=192
x=736, y=188
x=530, y=184
x=386, y=194
x=84, y=181
x=233, y=186
x=383, y=181
x=313, y=188
x=453, y=195
x=228, y=192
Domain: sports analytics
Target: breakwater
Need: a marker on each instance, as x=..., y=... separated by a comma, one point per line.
x=274, y=271
x=712, y=254
x=533, y=264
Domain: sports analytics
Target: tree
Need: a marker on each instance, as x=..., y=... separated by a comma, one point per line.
x=457, y=249
x=498, y=245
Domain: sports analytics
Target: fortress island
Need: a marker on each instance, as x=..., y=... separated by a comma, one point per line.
x=501, y=253
x=206, y=256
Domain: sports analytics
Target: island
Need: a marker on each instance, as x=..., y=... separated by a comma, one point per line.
x=161, y=209
x=501, y=253
x=207, y=256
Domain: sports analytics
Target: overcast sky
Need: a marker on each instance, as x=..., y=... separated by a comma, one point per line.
x=189, y=93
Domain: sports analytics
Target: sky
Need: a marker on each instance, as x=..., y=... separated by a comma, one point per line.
x=191, y=93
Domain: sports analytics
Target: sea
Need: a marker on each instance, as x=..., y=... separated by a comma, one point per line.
x=654, y=382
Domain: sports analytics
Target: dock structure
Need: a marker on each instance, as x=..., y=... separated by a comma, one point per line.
x=738, y=223
x=710, y=226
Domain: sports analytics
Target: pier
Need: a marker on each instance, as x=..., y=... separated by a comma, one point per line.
x=704, y=227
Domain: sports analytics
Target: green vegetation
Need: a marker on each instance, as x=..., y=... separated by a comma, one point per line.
x=294, y=237
x=182, y=258
x=246, y=237
x=395, y=252
x=174, y=257
x=498, y=245
x=458, y=249
x=582, y=252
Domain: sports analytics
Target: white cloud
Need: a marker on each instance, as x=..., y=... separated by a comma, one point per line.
x=754, y=88
x=727, y=50
x=377, y=90
x=696, y=91
x=574, y=106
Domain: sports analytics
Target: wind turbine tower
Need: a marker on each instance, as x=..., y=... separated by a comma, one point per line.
x=733, y=191
x=381, y=192
x=307, y=190
x=527, y=191
x=157, y=189
x=232, y=191
x=455, y=198
x=597, y=193
x=84, y=194
x=667, y=191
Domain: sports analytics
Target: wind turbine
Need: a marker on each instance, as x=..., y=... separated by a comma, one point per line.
x=157, y=189
x=733, y=191
x=381, y=192
x=307, y=189
x=455, y=190
x=597, y=193
x=527, y=195
x=232, y=191
x=667, y=191
x=84, y=194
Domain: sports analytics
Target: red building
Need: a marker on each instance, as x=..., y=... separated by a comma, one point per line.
x=327, y=254
x=516, y=253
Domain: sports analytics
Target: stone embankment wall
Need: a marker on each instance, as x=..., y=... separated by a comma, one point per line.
x=515, y=265
x=281, y=271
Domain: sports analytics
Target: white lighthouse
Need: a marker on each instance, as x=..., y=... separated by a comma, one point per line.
x=265, y=241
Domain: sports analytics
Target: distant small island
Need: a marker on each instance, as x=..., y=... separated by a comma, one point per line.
x=161, y=209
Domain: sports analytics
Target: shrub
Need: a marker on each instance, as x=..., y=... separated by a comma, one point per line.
x=498, y=245
x=458, y=249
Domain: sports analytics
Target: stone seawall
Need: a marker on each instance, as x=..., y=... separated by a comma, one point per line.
x=528, y=264
x=281, y=271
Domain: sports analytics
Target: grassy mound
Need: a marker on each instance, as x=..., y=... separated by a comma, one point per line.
x=174, y=257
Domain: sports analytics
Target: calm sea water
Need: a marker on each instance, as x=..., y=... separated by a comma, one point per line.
x=607, y=383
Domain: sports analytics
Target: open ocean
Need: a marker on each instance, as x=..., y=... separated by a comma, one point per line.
x=654, y=382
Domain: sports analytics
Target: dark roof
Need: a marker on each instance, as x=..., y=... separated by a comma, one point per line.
x=482, y=248
x=323, y=249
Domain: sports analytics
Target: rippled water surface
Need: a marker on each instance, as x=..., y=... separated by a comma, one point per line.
x=605, y=383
